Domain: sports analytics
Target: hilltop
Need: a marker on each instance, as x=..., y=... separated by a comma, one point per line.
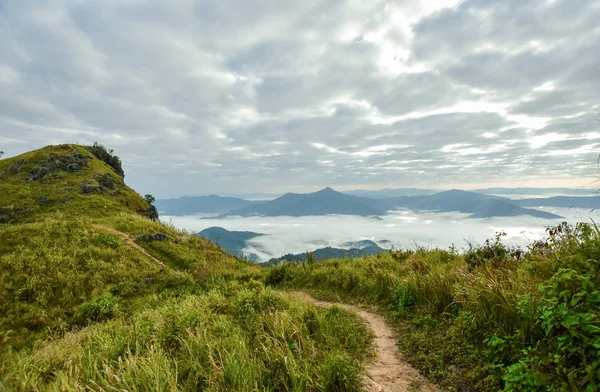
x=68, y=179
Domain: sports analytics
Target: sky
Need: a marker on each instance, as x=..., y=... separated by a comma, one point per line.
x=253, y=96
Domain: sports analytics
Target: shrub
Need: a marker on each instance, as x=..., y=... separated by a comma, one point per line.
x=106, y=156
x=568, y=315
x=494, y=251
x=405, y=299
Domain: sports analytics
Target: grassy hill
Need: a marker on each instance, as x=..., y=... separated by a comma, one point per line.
x=96, y=295
x=65, y=178
x=494, y=318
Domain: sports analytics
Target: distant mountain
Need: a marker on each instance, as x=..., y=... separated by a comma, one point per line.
x=323, y=202
x=233, y=242
x=329, y=201
x=388, y=192
x=536, y=191
x=366, y=248
x=591, y=202
x=476, y=204
x=190, y=205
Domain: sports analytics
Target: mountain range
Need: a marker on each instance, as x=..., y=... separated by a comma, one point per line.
x=328, y=201
x=324, y=202
x=190, y=205
x=591, y=202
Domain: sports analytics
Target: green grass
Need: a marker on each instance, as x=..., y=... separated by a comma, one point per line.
x=512, y=321
x=233, y=336
x=87, y=303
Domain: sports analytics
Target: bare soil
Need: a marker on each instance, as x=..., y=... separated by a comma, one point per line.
x=388, y=371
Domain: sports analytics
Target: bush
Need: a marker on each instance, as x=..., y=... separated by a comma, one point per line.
x=494, y=251
x=106, y=156
x=568, y=315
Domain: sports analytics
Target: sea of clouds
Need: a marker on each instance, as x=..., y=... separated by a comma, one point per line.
x=402, y=228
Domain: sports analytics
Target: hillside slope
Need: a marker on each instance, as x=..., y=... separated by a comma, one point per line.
x=94, y=295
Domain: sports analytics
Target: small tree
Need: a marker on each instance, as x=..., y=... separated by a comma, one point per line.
x=152, y=211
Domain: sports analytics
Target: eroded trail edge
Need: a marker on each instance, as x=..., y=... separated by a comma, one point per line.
x=388, y=371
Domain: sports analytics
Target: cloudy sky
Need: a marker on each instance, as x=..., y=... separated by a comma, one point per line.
x=240, y=96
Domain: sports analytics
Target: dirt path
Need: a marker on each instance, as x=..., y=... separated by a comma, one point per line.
x=130, y=241
x=388, y=371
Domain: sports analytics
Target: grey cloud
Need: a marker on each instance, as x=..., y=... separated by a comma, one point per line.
x=205, y=96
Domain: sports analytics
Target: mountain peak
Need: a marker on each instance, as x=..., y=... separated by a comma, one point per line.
x=327, y=190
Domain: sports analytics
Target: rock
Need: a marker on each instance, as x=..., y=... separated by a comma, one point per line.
x=88, y=188
x=37, y=173
x=72, y=167
x=146, y=237
x=17, y=167
x=106, y=180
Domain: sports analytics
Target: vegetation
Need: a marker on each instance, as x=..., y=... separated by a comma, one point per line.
x=95, y=295
x=106, y=156
x=493, y=318
x=67, y=179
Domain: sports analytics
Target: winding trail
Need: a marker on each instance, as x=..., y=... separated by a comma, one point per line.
x=388, y=372
x=131, y=242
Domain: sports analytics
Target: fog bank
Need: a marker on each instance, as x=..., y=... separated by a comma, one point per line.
x=403, y=228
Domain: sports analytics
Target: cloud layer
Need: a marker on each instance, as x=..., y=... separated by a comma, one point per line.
x=405, y=230
x=245, y=96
